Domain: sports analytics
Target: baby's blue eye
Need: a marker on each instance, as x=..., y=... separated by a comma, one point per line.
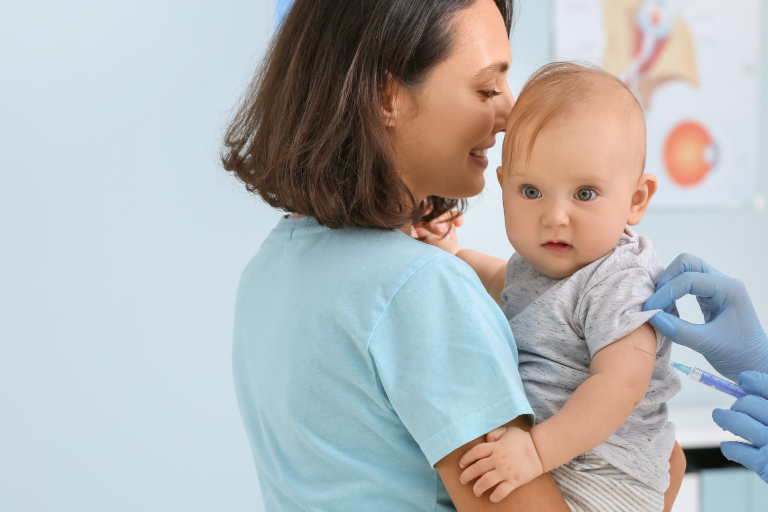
x=585, y=194
x=531, y=192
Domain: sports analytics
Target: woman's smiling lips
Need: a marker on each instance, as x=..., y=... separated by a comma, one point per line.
x=558, y=246
x=479, y=156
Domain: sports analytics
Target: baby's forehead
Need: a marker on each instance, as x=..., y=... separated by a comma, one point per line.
x=609, y=120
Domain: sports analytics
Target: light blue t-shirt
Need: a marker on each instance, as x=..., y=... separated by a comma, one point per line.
x=361, y=358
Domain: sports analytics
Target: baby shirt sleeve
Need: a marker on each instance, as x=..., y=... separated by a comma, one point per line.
x=611, y=305
x=446, y=359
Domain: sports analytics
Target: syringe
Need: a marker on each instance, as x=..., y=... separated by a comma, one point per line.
x=706, y=378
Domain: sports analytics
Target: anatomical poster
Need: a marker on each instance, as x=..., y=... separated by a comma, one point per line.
x=694, y=65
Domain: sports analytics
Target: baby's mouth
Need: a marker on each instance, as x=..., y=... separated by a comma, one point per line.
x=558, y=247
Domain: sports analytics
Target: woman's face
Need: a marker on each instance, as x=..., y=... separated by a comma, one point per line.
x=442, y=130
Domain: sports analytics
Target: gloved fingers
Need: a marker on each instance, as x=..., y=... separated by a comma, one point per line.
x=665, y=323
x=685, y=263
x=701, y=285
x=746, y=455
x=755, y=407
x=757, y=383
x=681, y=332
x=743, y=425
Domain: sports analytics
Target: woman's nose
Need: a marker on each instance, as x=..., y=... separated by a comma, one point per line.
x=504, y=109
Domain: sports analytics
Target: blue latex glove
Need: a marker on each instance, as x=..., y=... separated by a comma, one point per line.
x=732, y=338
x=748, y=418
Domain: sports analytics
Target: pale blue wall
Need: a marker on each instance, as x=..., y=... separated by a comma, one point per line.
x=122, y=243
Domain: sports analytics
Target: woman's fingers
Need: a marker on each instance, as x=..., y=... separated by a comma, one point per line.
x=495, y=434
x=502, y=491
x=480, y=451
x=476, y=470
x=487, y=481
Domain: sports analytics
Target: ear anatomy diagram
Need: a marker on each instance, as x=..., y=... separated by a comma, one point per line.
x=648, y=44
x=695, y=67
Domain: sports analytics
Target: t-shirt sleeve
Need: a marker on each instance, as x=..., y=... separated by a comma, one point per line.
x=611, y=306
x=446, y=358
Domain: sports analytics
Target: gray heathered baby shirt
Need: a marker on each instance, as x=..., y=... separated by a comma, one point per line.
x=560, y=324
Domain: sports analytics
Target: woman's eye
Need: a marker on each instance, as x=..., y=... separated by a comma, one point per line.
x=490, y=94
x=531, y=192
x=586, y=194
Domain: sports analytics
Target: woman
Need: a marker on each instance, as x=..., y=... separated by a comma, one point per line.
x=365, y=360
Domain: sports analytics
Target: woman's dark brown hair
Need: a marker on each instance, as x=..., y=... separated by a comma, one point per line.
x=309, y=136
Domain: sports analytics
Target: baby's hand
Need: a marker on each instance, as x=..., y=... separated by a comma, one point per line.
x=508, y=460
x=441, y=232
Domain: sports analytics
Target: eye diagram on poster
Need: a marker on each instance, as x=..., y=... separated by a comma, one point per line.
x=694, y=65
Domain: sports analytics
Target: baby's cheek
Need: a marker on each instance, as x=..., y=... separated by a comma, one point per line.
x=602, y=236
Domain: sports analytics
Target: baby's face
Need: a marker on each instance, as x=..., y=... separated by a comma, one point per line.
x=570, y=205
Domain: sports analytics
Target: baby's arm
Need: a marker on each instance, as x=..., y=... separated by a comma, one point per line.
x=490, y=270
x=619, y=378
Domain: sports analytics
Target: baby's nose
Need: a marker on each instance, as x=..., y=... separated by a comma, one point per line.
x=555, y=218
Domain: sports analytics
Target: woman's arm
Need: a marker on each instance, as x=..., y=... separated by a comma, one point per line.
x=541, y=494
x=619, y=378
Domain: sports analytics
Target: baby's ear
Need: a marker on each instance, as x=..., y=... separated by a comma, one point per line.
x=641, y=199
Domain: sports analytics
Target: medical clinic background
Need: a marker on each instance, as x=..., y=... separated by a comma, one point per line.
x=123, y=241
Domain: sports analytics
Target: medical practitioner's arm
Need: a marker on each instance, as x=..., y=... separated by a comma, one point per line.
x=732, y=338
x=541, y=494
x=748, y=419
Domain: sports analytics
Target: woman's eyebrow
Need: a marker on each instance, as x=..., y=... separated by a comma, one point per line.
x=495, y=68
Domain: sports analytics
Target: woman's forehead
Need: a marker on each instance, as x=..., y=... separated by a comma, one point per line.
x=480, y=39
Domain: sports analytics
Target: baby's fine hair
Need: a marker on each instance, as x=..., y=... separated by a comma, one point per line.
x=558, y=91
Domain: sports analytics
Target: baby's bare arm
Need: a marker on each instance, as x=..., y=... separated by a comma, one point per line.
x=619, y=379
x=490, y=270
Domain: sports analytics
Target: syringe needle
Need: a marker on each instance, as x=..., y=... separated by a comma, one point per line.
x=657, y=357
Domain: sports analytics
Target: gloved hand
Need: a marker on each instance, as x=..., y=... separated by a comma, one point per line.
x=732, y=338
x=748, y=418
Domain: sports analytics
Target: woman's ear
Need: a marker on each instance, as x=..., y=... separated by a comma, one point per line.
x=389, y=100
x=499, y=177
x=641, y=199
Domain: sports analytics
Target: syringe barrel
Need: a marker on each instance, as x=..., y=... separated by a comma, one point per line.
x=723, y=385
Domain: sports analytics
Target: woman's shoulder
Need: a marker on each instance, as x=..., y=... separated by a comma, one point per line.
x=392, y=253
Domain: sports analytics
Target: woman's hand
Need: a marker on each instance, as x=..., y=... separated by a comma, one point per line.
x=732, y=338
x=748, y=418
x=507, y=461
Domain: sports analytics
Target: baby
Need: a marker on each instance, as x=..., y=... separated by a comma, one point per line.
x=572, y=181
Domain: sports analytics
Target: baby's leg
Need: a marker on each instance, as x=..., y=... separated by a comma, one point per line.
x=591, y=484
x=677, y=465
